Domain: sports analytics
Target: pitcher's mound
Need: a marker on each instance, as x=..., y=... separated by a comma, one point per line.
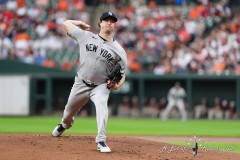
x=46, y=147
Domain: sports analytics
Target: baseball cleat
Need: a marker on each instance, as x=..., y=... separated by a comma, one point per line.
x=103, y=148
x=58, y=130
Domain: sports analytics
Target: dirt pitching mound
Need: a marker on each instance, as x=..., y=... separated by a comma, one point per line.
x=78, y=147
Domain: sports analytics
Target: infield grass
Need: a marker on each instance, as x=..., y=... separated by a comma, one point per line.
x=117, y=126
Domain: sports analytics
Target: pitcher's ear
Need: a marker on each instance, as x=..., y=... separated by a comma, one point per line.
x=99, y=24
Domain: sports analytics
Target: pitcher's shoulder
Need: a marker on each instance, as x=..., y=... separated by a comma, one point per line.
x=119, y=47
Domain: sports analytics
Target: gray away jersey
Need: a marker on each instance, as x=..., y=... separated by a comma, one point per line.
x=97, y=57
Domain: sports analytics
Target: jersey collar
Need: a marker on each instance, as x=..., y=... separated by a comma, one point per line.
x=105, y=39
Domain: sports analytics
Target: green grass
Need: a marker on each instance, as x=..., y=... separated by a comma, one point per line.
x=116, y=126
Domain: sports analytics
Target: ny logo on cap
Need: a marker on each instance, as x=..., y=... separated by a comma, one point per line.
x=110, y=13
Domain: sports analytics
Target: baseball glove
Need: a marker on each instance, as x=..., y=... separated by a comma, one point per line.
x=114, y=77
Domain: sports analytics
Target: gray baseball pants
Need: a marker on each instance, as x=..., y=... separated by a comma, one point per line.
x=79, y=96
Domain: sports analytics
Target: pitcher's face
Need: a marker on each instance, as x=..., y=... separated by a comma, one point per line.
x=107, y=25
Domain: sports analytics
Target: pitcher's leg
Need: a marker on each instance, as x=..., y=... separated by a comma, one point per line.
x=100, y=96
x=79, y=95
x=102, y=118
x=75, y=103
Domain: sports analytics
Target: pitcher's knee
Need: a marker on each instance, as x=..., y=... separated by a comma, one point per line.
x=101, y=102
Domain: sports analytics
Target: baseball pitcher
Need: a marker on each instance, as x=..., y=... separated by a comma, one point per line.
x=102, y=68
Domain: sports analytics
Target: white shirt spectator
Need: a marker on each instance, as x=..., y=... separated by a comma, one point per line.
x=21, y=11
x=53, y=43
x=159, y=69
x=41, y=30
x=123, y=22
x=191, y=27
x=33, y=12
x=11, y=5
x=22, y=44
x=29, y=59
x=61, y=17
x=5, y=45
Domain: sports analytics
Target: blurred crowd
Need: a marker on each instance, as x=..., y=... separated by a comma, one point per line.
x=198, y=38
x=216, y=108
x=154, y=108
x=31, y=29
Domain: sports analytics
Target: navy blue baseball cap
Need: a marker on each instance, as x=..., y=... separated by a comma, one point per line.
x=108, y=14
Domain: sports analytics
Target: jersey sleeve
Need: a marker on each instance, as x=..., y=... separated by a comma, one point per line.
x=77, y=34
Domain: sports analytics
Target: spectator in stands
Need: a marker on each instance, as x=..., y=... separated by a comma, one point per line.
x=66, y=65
x=135, y=107
x=50, y=63
x=62, y=5
x=158, y=45
x=124, y=109
x=11, y=55
x=133, y=63
x=162, y=106
x=21, y=40
x=231, y=113
x=39, y=59
x=215, y=112
x=159, y=68
x=224, y=108
x=41, y=29
x=5, y=45
x=29, y=57
x=200, y=110
x=151, y=109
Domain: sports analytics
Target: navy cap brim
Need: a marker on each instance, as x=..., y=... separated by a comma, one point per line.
x=114, y=18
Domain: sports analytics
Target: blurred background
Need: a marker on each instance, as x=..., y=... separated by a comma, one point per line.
x=192, y=42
